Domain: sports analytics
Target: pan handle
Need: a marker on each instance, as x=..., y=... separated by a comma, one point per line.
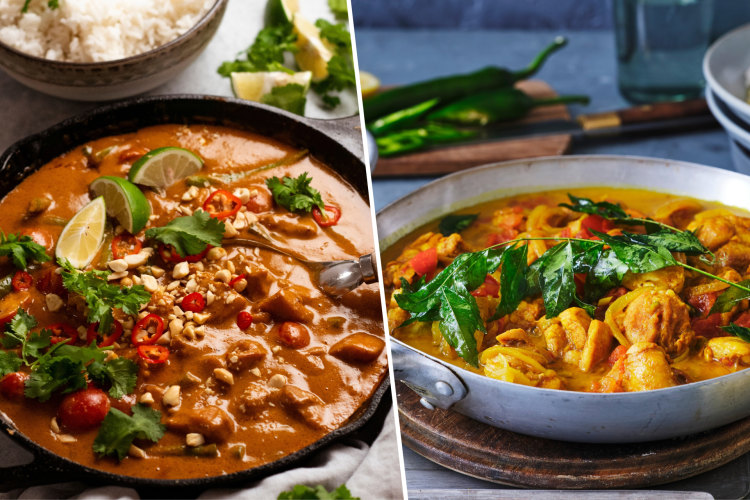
x=436, y=384
x=340, y=129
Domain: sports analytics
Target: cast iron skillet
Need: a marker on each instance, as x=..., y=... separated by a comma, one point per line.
x=337, y=143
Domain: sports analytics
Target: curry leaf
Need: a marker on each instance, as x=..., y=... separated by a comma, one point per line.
x=456, y=223
x=513, y=288
x=459, y=319
x=556, y=279
x=683, y=241
x=639, y=257
x=738, y=331
x=606, y=274
x=602, y=208
x=730, y=297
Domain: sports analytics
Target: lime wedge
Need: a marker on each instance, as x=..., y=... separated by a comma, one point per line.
x=279, y=12
x=163, y=167
x=253, y=86
x=82, y=235
x=369, y=83
x=125, y=202
x=313, y=53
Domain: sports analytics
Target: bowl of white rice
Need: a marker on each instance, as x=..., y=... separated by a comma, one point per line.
x=97, y=50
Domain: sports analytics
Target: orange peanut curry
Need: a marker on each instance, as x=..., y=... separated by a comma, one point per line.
x=616, y=330
x=252, y=361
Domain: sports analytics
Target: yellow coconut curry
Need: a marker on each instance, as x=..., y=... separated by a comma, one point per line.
x=602, y=290
x=169, y=352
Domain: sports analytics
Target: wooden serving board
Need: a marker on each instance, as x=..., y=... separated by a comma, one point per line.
x=451, y=159
x=482, y=451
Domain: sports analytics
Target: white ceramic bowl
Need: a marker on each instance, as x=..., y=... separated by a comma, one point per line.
x=724, y=67
x=739, y=136
x=108, y=80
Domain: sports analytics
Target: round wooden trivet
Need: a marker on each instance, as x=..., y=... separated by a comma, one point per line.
x=485, y=452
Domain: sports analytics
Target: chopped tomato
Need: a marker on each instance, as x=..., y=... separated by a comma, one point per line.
x=147, y=330
x=244, y=319
x=709, y=326
x=616, y=354
x=512, y=219
x=743, y=319
x=490, y=288
x=331, y=218
x=565, y=233
x=153, y=354
x=222, y=204
x=12, y=385
x=125, y=244
x=193, y=302
x=703, y=302
x=502, y=235
x=62, y=332
x=109, y=338
x=595, y=222
x=425, y=261
x=83, y=410
x=21, y=281
x=294, y=335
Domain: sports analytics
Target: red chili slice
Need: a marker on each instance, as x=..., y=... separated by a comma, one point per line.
x=125, y=244
x=62, y=332
x=222, y=204
x=168, y=254
x=153, y=354
x=236, y=279
x=108, y=339
x=21, y=281
x=142, y=332
x=244, y=319
x=333, y=214
x=193, y=302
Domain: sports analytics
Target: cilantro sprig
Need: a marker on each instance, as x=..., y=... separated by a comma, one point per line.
x=290, y=97
x=119, y=430
x=301, y=491
x=21, y=249
x=266, y=53
x=101, y=296
x=295, y=194
x=191, y=234
x=448, y=300
x=340, y=66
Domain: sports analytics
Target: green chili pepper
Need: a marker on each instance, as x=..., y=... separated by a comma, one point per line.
x=453, y=87
x=406, y=141
x=496, y=106
x=401, y=119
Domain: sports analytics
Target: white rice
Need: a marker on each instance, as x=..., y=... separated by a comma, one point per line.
x=96, y=30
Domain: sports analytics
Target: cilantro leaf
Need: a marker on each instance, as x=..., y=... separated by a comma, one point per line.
x=82, y=354
x=290, y=97
x=738, y=331
x=35, y=344
x=53, y=374
x=339, y=9
x=102, y=297
x=266, y=53
x=340, y=67
x=730, y=297
x=302, y=492
x=295, y=194
x=456, y=223
x=21, y=249
x=118, y=430
x=189, y=235
x=9, y=362
x=17, y=329
x=119, y=374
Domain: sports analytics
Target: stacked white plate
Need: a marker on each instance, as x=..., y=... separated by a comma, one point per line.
x=726, y=67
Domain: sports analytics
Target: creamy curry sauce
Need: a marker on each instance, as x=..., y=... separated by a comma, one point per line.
x=281, y=398
x=671, y=336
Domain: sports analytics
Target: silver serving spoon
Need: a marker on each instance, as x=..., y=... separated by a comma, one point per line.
x=335, y=277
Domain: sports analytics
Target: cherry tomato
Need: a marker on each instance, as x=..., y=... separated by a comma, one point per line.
x=425, y=262
x=10, y=304
x=168, y=254
x=595, y=222
x=193, y=302
x=333, y=214
x=62, y=332
x=703, y=302
x=222, y=204
x=153, y=354
x=147, y=330
x=21, y=281
x=125, y=244
x=107, y=339
x=261, y=201
x=236, y=279
x=490, y=288
x=83, y=410
x=12, y=385
x=244, y=319
x=294, y=335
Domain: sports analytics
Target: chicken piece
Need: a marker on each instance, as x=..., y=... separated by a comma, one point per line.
x=672, y=277
x=677, y=213
x=211, y=421
x=259, y=281
x=644, y=367
x=221, y=309
x=358, y=348
x=448, y=247
x=526, y=314
x=519, y=365
x=291, y=225
x=661, y=317
x=734, y=254
x=364, y=299
x=306, y=405
x=729, y=351
x=255, y=398
x=576, y=338
x=244, y=355
x=575, y=321
x=715, y=232
x=554, y=335
x=288, y=305
x=598, y=345
x=515, y=338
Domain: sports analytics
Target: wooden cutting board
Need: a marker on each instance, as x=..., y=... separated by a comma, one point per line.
x=451, y=159
x=479, y=450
